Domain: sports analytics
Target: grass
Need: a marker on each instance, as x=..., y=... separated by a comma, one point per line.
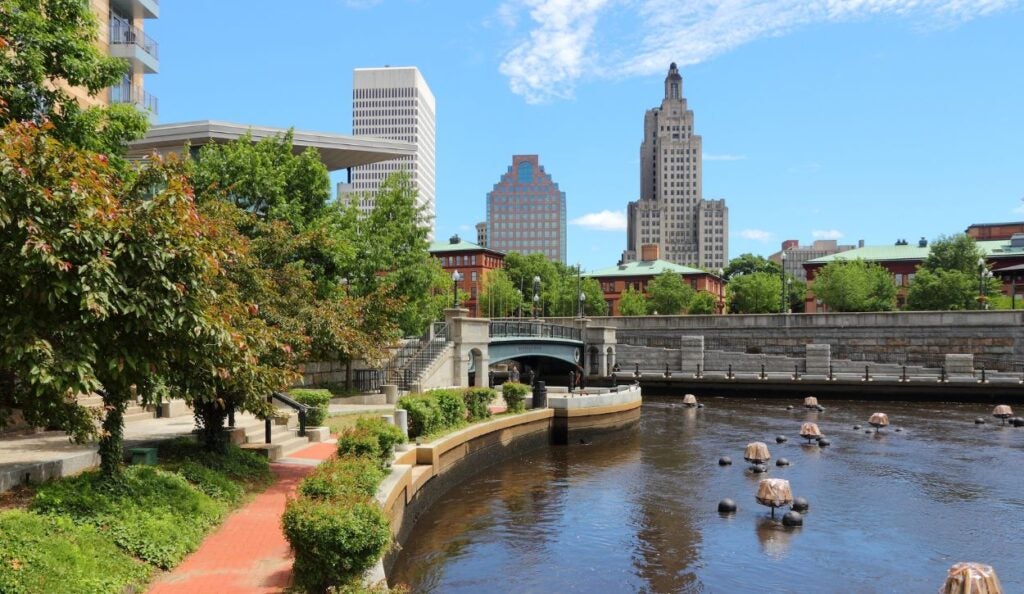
x=339, y=423
x=85, y=534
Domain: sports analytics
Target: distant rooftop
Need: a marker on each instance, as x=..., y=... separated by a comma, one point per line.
x=337, y=151
x=887, y=253
x=457, y=244
x=644, y=268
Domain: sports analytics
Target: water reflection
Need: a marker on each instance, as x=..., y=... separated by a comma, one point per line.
x=638, y=512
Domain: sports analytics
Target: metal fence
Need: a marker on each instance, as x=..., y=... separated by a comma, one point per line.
x=368, y=380
x=513, y=329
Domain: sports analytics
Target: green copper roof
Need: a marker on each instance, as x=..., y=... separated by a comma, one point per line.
x=882, y=253
x=461, y=245
x=643, y=268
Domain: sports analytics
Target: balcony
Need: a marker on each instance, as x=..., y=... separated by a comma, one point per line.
x=134, y=95
x=136, y=9
x=132, y=44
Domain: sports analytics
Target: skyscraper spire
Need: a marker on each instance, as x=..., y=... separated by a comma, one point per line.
x=673, y=83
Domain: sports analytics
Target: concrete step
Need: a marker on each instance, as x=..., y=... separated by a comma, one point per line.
x=279, y=448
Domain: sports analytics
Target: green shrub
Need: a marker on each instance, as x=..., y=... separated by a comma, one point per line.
x=339, y=478
x=211, y=482
x=237, y=464
x=51, y=554
x=477, y=400
x=317, y=400
x=424, y=416
x=153, y=514
x=371, y=437
x=515, y=395
x=451, y=405
x=334, y=542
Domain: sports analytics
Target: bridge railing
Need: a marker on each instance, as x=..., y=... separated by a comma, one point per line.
x=530, y=329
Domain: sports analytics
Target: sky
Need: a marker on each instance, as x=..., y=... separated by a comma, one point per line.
x=823, y=119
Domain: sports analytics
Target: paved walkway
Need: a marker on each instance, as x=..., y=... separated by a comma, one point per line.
x=248, y=553
x=345, y=409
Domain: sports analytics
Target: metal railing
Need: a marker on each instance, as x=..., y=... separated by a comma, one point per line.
x=124, y=33
x=134, y=95
x=368, y=380
x=290, y=402
x=527, y=329
x=411, y=360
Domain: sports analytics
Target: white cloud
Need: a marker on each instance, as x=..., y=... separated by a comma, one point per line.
x=606, y=220
x=572, y=37
x=827, y=234
x=756, y=234
x=726, y=157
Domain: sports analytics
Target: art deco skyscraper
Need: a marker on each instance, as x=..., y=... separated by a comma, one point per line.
x=671, y=212
x=526, y=211
x=395, y=104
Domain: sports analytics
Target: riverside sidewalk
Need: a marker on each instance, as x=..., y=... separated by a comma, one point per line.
x=248, y=553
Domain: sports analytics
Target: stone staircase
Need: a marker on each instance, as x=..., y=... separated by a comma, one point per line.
x=250, y=434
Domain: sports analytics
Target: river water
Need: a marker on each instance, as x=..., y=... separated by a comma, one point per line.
x=636, y=511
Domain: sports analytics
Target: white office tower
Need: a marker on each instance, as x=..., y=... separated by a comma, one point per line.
x=396, y=104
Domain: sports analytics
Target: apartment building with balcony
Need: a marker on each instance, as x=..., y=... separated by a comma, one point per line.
x=122, y=35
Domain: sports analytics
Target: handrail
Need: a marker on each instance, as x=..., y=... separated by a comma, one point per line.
x=291, y=402
x=512, y=329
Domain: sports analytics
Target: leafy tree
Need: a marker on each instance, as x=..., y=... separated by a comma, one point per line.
x=956, y=252
x=393, y=251
x=498, y=297
x=106, y=285
x=703, y=303
x=749, y=264
x=47, y=45
x=632, y=303
x=667, y=294
x=754, y=293
x=594, y=304
x=523, y=268
x=855, y=285
x=265, y=178
x=797, y=290
x=942, y=290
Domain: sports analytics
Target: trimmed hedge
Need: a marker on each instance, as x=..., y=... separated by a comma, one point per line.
x=371, y=437
x=515, y=396
x=339, y=478
x=318, y=400
x=41, y=553
x=477, y=401
x=334, y=541
x=424, y=415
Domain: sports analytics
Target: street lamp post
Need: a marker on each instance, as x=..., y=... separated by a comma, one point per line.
x=720, y=306
x=583, y=303
x=782, y=282
x=789, y=289
x=456, y=277
x=536, y=295
x=519, y=308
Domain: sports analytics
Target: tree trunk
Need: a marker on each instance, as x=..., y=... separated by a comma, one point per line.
x=112, y=438
x=210, y=416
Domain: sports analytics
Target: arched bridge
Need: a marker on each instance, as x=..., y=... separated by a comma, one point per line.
x=514, y=339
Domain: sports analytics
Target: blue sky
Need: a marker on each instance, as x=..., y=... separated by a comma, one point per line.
x=847, y=119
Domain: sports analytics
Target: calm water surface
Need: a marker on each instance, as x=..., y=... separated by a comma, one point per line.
x=637, y=511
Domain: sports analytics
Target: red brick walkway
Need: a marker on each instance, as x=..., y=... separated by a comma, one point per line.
x=248, y=553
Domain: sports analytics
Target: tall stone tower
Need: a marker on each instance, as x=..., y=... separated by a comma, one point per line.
x=671, y=212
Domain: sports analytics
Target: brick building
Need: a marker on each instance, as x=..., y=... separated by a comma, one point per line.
x=472, y=261
x=993, y=231
x=1002, y=258
x=616, y=279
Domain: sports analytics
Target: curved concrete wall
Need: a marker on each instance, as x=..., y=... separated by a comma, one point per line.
x=425, y=472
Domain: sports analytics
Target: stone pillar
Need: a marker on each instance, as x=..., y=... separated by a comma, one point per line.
x=959, y=364
x=390, y=393
x=691, y=353
x=817, y=358
x=402, y=421
x=389, y=419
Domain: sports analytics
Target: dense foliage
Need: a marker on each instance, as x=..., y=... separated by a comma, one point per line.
x=515, y=396
x=855, y=285
x=754, y=293
x=668, y=294
x=703, y=303
x=54, y=553
x=317, y=400
x=371, y=438
x=559, y=289
x=632, y=303
x=434, y=411
x=950, y=277
x=749, y=264
x=48, y=45
x=477, y=400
